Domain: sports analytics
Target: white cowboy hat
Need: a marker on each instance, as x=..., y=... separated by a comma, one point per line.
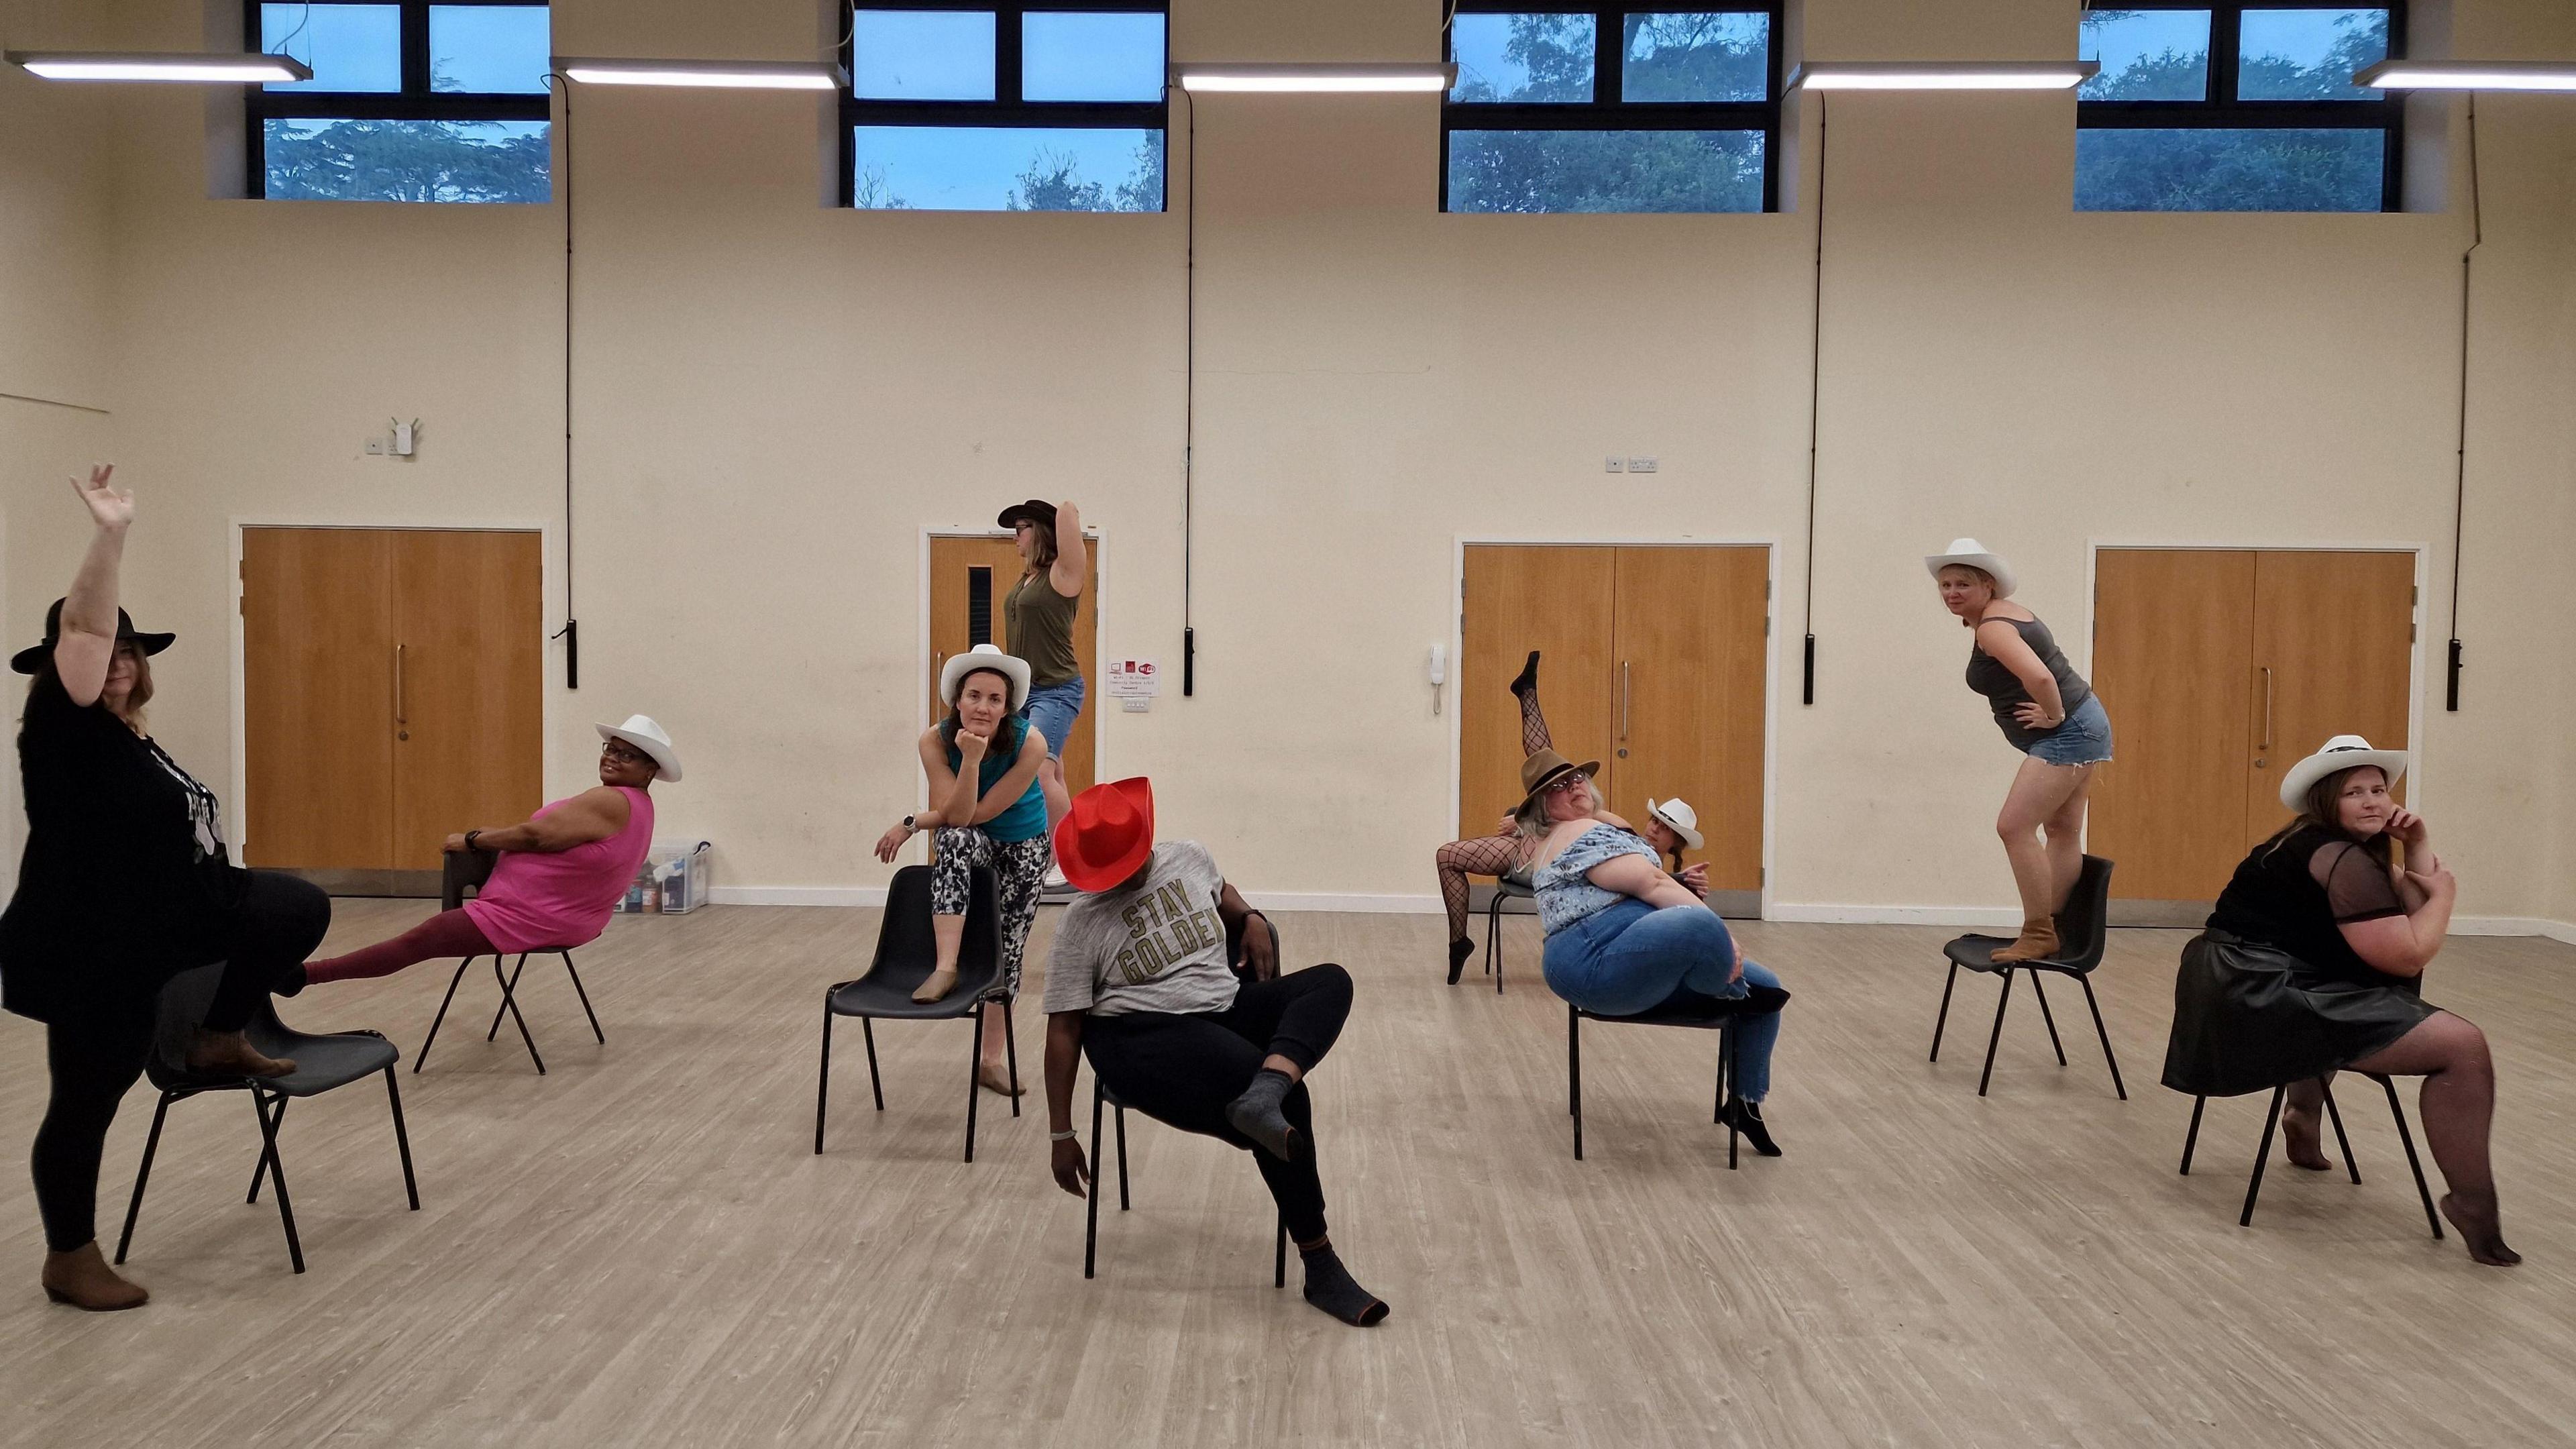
x=1976, y=556
x=643, y=733
x=984, y=656
x=2343, y=752
x=1683, y=819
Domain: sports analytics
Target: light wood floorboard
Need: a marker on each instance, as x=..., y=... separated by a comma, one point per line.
x=641, y=1248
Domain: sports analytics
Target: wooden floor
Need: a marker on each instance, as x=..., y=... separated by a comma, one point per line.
x=641, y=1248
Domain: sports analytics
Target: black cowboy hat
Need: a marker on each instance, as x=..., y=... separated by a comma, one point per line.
x=28, y=661
x=1036, y=510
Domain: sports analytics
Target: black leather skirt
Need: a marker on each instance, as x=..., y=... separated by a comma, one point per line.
x=2248, y=1017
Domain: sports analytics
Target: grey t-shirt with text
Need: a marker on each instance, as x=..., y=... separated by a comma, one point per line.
x=1156, y=945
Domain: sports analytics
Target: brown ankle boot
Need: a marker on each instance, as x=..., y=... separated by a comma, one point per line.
x=230, y=1054
x=2037, y=942
x=82, y=1279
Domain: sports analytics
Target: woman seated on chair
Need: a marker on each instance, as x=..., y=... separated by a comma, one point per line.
x=1625, y=938
x=989, y=809
x=1139, y=982
x=560, y=872
x=2313, y=962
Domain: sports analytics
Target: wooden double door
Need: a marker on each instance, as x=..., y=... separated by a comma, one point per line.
x=1651, y=662
x=394, y=694
x=969, y=578
x=2221, y=668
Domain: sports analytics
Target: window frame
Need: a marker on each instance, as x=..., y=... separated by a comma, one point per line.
x=2223, y=110
x=1607, y=111
x=1007, y=110
x=414, y=102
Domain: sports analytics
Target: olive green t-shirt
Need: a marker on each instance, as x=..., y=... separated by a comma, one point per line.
x=1038, y=621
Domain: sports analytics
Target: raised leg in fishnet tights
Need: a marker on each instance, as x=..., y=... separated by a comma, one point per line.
x=1490, y=854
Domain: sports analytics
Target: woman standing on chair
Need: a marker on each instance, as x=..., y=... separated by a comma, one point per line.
x=1505, y=852
x=125, y=883
x=1037, y=618
x=1623, y=937
x=985, y=802
x=560, y=871
x=2047, y=712
x=2313, y=962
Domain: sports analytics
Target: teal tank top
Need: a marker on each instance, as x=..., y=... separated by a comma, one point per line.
x=1026, y=819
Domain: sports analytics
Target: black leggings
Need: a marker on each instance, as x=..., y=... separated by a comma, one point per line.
x=1182, y=1070
x=95, y=1057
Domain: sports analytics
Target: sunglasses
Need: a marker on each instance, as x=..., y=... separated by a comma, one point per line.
x=1569, y=782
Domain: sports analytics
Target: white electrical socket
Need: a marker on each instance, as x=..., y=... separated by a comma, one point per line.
x=1614, y=465
x=1641, y=465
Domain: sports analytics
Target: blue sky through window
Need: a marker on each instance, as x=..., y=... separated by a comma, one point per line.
x=976, y=168
x=2306, y=39
x=1481, y=45
x=350, y=47
x=2121, y=40
x=1079, y=56
x=489, y=49
x=922, y=55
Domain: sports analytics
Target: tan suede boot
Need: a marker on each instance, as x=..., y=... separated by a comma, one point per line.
x=936, y=985
x=2037, y=942
x=82, y=1279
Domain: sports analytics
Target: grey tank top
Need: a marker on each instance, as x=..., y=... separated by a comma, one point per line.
x=2003, y=689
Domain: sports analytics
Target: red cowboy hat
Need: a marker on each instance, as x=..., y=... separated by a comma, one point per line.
x=1107, y=834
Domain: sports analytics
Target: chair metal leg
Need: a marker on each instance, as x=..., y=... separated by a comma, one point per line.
x=402, y=1139
x=2104, y=1032
x=2262, y=1157
x=2191, y=1139
x=1728, y=1065
x=2335, y=1115
x=974, y=1062
x=2049, y=1017
x=2001, y=1001
x=876, y=1084
x=508, y=989
x=2405, y=1139
x=1011, y=1054
x=1091, y=1209
x=510, y=1004
x=152, y=1143
x=1122, y=1158
x=1279, y=1262
x=823, y=1077
x=285, y=1208
x=422, y=1060
x=1943, y=1020
x=1493, y=933
x=261, y=1171
x=585, y=999
x=1574, y=1073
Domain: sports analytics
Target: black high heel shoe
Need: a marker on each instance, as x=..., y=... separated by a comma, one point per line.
x=1746, y=1117
x=1459, y=951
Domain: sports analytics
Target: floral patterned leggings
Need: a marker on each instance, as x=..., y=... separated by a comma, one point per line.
x=1490, y=854
x=1019, y=868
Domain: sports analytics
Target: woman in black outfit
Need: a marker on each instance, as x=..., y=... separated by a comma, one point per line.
x=124, y=885
x=2314, y=962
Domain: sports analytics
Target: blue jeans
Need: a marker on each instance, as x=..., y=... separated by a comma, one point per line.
x=2083, y=739
x=1051, y=711
x=1629, y=957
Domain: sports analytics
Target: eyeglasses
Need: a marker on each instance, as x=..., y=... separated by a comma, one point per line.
x=623, y=753
x=1569, y=782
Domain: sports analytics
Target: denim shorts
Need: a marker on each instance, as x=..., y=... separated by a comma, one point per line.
x=1051, y=711
x=2084, y=739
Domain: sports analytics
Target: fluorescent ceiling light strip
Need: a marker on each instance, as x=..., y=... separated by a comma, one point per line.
x=753, y=75
x=1943, y=75
x=159, y=66
x=1353, y=78
x=2470, y=75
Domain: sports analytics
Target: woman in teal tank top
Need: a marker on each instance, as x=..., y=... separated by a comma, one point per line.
x=988, y=810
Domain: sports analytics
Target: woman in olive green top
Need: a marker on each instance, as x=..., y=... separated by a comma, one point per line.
x=1037, y=622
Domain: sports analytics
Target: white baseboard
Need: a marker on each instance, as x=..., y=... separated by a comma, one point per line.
x=1830, y=914
x=2514, y=926
x=760, y=895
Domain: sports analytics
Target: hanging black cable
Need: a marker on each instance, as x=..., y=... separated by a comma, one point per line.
x=1189, y=382
x=570, y=633
x=2460, y=480
x=1815, y=400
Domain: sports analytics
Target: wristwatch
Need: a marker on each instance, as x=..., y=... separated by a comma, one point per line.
x=909, y=828
x=469, y=839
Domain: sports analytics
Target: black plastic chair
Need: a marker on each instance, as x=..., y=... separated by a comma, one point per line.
x=906, y=952
x=1506, y=888
x=2263, y=1154
x=1101, y=1096
x=470, y=869
x=322, y=1063
x=2083, y=933
x=1704, y=1014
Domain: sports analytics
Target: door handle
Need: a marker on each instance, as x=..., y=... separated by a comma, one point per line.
x=2266, y=747
x=1625, y=695
x=402, y=712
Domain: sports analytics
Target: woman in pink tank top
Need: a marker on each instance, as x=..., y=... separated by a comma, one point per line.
x=560, y=872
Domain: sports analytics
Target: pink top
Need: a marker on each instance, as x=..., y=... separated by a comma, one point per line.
x=535, y=901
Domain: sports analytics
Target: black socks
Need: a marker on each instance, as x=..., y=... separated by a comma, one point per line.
x=1527, y=679
x=1330, y=1287
x=1256, y=1113
x=1459, y=951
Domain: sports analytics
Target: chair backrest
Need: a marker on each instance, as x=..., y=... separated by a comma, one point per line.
x=906, y=949
x=2086, y=919
x=463, y=870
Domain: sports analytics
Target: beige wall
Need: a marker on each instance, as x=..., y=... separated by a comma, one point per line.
x=774, y=400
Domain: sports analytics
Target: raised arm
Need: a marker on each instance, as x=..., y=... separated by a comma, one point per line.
x=88, y=639
x=1063, y=1056
x=2410, y=919
x=594, y=814
x=1072, y=556
x=2004, y=644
